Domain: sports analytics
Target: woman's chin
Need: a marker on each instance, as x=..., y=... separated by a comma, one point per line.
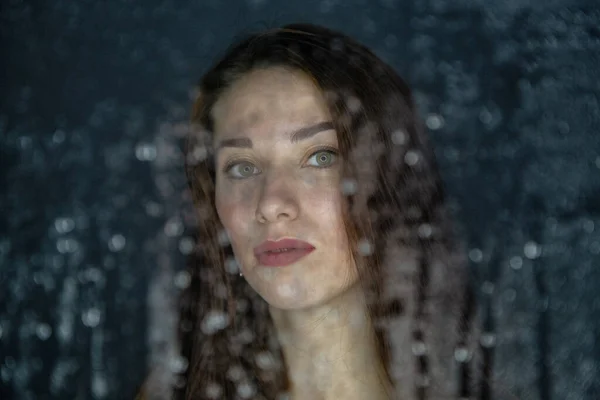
x=295, y=297
x=295, y=288
x=288, y=296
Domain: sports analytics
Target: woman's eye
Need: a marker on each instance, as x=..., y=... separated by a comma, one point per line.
x=241, y=170
x=322, y=158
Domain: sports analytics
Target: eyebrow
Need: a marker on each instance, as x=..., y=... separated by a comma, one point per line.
x=298, y=135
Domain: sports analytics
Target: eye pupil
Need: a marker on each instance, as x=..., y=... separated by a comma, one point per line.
x=323, y=158
x=247, y=169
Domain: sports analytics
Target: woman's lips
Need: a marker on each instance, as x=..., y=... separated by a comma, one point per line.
x=282, y=252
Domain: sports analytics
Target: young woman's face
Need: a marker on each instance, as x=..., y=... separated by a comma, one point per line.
x=278, y=182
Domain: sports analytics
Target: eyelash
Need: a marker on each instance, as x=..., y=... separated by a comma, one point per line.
x=227, y=168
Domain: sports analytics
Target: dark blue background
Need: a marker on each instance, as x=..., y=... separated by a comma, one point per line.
x=93, y=95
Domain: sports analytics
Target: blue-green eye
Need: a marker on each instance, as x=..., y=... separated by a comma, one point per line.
x=322, y=158
x=241, y=170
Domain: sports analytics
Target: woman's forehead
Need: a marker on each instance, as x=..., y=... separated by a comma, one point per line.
x=268, y=97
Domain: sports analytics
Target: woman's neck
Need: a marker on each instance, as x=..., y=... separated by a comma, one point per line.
x=330, y=350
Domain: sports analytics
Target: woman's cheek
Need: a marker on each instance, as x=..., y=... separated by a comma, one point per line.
x=320, y=181
x=241, y=194
x=326, y=188
x=234, y=205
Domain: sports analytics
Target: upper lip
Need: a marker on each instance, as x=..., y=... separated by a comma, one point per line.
x=284, y=243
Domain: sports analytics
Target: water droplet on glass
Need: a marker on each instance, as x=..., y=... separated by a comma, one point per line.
x=186, y=245
x=231, y=266
x=43, y=331
x=182, y=279
x=197, y=155
x=153, y=209
x=475, y=255
x=93, y=274
x=65, y=328
x=221, y=291
x=117, y=242
x=434, y=121
x=213, y=391
x=588, y=225
x=174, y=227
x=411, y=157
x=214, y=321
x=178, y=364
x=64, y=225
x=59, y=136
x=264, y=360
x=24, y=142
x=67, y=245
x=223, y=239
x=487, y=287
x=99, y=385
x=486, y=116
x=516, y=262
x=349, y=187
x=145, y=152
x=488, y=339
x=425, y=231
x=235, y=373
x=245, y=336
x=365, y=248
x=353, y=104
x=246, y=390
x=462, y=354
x=286, y=290
x=532, y=250
x=91, y=317
x=419, y=348
x=399, y=137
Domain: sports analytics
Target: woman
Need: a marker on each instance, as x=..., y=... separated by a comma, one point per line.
x=326, y=266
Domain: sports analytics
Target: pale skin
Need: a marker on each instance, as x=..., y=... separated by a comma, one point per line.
x=278, y=175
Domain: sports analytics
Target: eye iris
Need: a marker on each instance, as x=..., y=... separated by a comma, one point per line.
x=324, y=158
x=246, y=169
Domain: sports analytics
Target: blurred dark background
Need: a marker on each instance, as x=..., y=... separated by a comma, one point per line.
x=94, y=96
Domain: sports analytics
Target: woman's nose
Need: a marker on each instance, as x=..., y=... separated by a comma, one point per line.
x=278, y=199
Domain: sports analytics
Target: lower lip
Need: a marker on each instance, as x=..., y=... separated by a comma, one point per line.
x=283, y=258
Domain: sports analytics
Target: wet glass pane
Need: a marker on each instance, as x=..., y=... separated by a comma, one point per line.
x=99, y=232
